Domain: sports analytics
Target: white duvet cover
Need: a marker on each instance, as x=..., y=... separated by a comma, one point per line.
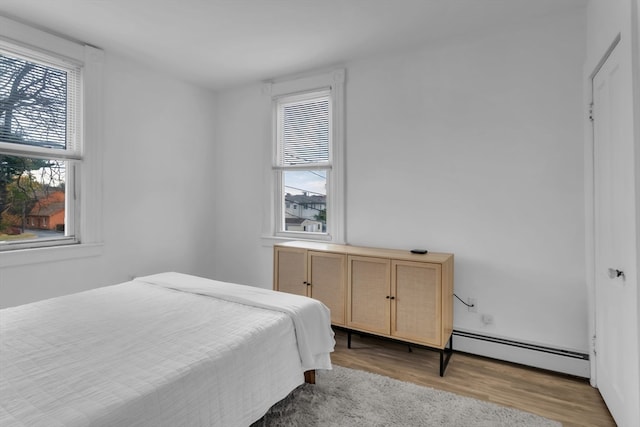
x=149, y=353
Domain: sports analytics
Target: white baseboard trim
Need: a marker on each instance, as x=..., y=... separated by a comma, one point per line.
x=539, y=356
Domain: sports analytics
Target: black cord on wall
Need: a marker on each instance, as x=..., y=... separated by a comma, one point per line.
x=468, y=305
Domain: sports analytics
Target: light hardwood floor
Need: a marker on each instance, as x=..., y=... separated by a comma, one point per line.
x=567, y=399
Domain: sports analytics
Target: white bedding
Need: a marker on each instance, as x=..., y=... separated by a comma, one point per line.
x=143, y=354
x=314, y=339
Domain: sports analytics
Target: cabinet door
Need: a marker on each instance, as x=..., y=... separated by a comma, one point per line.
x=290, y=271
x=368, y=298
x=327, y=275
x=416, y=310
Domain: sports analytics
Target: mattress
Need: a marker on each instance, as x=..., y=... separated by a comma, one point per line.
x=164, y=350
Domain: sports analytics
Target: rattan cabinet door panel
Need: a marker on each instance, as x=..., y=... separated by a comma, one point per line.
x=327, y=275
x=416, y=310
x=369, y=292
x=290, y=271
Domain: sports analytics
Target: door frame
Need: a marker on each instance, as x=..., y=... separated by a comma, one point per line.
x=624, y=35
x=590, y=206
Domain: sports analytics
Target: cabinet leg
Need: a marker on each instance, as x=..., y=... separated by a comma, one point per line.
x=444, y=361
x=349, y=339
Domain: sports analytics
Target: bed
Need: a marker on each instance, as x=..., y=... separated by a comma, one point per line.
x=162, y=350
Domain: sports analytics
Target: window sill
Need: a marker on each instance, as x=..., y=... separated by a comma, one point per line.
x=269, y=241
x=49, y=254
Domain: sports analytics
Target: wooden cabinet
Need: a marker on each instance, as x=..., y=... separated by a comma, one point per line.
x=384, y=292
x=401, y=299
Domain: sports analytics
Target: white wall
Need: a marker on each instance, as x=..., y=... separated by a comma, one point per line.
x=240, y=256
x=158, y=159
x=473, y=146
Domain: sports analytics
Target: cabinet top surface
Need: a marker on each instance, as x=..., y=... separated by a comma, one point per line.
x=436, y=257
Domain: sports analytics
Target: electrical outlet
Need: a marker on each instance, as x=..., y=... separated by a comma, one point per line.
x=487, y=319
x=473, y=305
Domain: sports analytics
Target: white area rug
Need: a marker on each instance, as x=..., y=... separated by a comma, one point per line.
x=347, y=397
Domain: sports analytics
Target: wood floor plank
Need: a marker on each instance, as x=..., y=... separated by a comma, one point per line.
x=564, y=398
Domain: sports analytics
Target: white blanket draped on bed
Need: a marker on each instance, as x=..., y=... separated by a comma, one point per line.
x=140, y=354
x=315, y=340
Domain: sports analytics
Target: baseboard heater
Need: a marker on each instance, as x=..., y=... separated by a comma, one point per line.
x=536, y=347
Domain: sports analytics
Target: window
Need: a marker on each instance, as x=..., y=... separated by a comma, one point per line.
x=39, y=147
x=307, y=163
x=303, y=161
x=50, y=146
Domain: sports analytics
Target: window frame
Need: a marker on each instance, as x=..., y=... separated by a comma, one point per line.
x=333, y=82
x=85, y=173
x=280, y=167
x=71, y=155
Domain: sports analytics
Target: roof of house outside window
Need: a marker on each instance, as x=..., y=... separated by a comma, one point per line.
x=303, y=199
x=48, y=210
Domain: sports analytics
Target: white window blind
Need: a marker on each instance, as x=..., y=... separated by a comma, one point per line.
x=40, y=101
x=304, y=132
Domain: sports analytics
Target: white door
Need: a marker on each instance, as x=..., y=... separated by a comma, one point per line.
x=616, y=282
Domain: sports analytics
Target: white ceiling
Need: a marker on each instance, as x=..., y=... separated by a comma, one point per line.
x=223, y=43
